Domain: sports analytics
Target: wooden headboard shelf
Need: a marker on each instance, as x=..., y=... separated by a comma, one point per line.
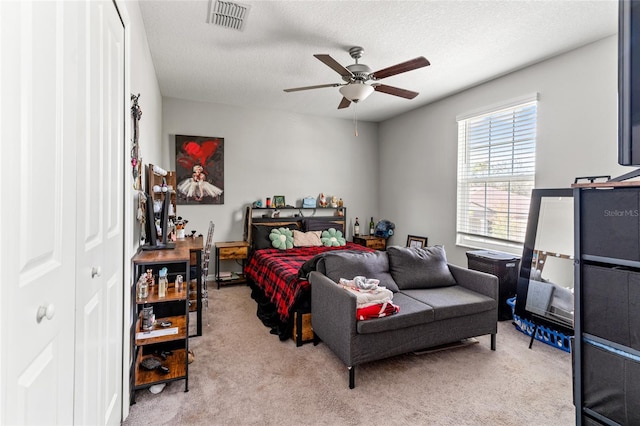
x=337, y=216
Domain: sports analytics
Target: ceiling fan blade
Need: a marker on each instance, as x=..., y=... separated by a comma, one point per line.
x=334, y=65
x=410, y=65
x=344, y=103
x=319, y=86
x=390, y=90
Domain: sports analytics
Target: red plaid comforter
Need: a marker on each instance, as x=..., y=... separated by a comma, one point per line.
x=276, y=273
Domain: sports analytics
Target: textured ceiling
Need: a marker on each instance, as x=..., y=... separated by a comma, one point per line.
x=467, y=42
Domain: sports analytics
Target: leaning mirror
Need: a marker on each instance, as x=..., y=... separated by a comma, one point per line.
x=545, y=285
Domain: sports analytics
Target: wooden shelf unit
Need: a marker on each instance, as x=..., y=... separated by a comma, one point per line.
x=171, y=294
x=177, y=321
x=177, y=369
x=172, y=308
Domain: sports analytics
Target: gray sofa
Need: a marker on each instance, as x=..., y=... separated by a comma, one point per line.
x=439, y=303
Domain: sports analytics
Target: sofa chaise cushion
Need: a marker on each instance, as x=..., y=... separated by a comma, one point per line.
x=413, y=267
x=412, y=312
x=453, y=301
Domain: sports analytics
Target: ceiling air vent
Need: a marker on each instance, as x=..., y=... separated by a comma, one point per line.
x=228, y=14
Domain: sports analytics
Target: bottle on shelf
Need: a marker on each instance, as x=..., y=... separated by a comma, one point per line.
x=162, y=282
x=148, y=317
x=143, y=287
x=372, y=227
x=356, y=228
x=179, y=283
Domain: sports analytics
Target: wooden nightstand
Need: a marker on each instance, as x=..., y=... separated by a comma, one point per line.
x=231, y=250
x=376, y=243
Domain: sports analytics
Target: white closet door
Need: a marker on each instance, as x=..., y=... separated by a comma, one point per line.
x=37, y=211
x=61, y=240
x=99, y=225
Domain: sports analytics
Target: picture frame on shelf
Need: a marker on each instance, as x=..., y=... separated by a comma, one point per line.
x=278, y=201
x=417, y=242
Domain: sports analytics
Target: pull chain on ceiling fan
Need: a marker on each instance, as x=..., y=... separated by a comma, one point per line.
x=355, y=89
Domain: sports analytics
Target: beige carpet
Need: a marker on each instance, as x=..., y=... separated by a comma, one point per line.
x=243, y=375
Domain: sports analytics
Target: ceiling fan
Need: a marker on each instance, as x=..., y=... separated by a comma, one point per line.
x=357, y=75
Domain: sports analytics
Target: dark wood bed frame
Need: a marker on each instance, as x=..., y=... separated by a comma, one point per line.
x=302, y=331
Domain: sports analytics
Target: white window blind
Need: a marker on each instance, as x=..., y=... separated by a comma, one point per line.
x=496, y=172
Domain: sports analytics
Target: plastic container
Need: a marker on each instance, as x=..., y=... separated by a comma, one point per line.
x=543, y=334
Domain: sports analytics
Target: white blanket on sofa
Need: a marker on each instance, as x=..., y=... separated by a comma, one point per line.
x=368, y=292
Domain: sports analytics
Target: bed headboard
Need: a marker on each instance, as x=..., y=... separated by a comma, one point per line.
x=257, y=227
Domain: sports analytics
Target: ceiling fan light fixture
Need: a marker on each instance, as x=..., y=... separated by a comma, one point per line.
x=356, y=92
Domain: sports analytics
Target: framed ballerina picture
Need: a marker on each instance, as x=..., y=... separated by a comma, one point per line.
x=199, y=170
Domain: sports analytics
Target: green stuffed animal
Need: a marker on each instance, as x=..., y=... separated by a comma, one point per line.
x=281, y=238
x=333, y=238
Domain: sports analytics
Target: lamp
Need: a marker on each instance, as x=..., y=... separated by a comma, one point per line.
x=356, y=92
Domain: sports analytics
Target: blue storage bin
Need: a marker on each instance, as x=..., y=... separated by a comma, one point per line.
x=543, y=334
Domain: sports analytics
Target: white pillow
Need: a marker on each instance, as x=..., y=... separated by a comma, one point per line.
x=306, y=239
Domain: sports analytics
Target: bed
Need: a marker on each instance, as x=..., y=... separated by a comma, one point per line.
x=278, y=277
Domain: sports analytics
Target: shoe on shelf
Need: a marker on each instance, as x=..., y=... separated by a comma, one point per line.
x=155, y=389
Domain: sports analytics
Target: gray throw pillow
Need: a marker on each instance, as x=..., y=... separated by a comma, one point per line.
x=350, y=264
x=413, y=267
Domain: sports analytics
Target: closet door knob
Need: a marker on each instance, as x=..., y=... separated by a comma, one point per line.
x=96, y=271
x=45, y=311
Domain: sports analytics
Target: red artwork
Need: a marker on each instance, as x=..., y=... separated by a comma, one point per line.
x=199, y=170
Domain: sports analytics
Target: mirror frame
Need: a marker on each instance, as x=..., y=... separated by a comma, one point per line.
x=522, y=288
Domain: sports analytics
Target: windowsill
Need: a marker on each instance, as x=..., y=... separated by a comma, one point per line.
x=486, y=244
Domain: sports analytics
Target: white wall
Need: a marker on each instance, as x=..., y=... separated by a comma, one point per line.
x=144, y=83
x=141, y=79
x=577, y=131
x=270, y=153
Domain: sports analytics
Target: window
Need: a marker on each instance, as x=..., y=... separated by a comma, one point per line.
x=496, y=173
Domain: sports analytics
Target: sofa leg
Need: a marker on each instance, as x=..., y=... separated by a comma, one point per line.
x=493, y=342
x=316, y=339
x=352, y=377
